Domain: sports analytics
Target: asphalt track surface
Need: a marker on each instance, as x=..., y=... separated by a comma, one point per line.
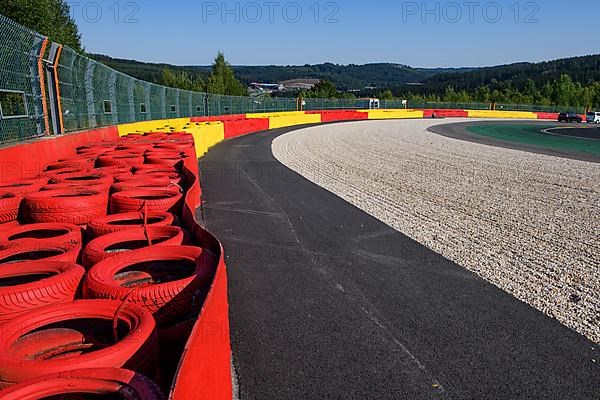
x=460, y=131
x=327, y=302
x=589, y=132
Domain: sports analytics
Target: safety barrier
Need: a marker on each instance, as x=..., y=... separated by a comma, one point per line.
x=501, y=114
x=204, y=368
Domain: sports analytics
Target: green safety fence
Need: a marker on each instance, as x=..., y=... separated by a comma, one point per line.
x=450, y=106
x=537, y=108
x=94, y=95
x=21, y=105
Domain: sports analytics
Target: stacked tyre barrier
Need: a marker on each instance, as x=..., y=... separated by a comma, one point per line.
x=100, y=284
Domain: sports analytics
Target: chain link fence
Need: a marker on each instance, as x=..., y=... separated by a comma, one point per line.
x=22, y=110
x=94, y=95
x=450, y=106
x=532, y=108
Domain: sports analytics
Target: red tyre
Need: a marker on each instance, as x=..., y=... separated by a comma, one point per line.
x=33, y=284
x=179, y=146
x=23, y=187
x=75, y=336
x=141, y=178
x=114, y=170
x=174, y=177
x=121, y=222
x=134, y=147
x=170, y=281
x=9, y=207
x=41, y=235
x=152, y=168
x=28, y=251
x=119, y=160
x=121, y=383
x=73, y=206
x=146, y=200
x=148, y=184
x=90, y=178
x=81, y=162
x=121, y=243
x=76, y=186
x=64, y=173
x=172, y=161
x=8, y=225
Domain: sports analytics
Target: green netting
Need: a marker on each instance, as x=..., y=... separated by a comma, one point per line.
x=449, y=106
x=94, y=95
x=334, y=104
x=21, y=106
x=529, y=107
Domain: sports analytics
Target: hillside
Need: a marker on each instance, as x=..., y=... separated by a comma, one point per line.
x=584, y=70
x=505, y=83
x=345, y=77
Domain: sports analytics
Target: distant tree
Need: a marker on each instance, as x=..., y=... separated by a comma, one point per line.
x=386, y=95
x=48, y=17
x=222, y=79
x=322, y=90
x=181, y=80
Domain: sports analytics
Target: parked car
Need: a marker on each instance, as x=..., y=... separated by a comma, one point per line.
x=593, y=117
x=569, y=117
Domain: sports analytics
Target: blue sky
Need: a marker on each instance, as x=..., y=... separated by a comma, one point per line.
x=417, y=33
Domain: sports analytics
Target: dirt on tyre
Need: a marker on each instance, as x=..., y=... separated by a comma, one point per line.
x=121, y=383
x=119, y=244
x=28, y=251
x=124, y=221
x=170, y=281
x=48, y=234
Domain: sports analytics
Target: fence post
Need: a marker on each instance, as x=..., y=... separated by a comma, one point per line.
x=54, y=89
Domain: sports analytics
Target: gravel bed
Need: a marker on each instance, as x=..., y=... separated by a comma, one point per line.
x=527, y=223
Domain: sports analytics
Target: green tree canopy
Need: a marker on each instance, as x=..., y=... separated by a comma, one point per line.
x=222, y=80
x=48, y=17
x=181, y=80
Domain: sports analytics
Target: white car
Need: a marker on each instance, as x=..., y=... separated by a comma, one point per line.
x=593, y=117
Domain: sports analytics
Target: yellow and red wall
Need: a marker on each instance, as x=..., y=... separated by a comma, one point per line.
x=204, y=371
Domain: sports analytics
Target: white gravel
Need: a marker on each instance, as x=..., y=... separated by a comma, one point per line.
x=528, y=223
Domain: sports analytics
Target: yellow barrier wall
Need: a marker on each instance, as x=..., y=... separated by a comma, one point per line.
x=175, y=124
x=393, y=114
x=291, y=120
x=501, y=114
x=206, y=135
x=275, y=114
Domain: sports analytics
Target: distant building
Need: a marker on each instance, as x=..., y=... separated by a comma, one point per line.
x=299, y=84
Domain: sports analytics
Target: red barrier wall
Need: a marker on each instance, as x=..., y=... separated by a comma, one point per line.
x=205, y=368
x=428, y=113
x=545, y=115
x=234, y=128
x=27, y=160
x=340, y=115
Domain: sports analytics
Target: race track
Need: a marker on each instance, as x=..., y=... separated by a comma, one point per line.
x=327, y=301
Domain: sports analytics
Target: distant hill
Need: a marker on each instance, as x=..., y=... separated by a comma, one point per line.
x=583, y=70
x=345, y=77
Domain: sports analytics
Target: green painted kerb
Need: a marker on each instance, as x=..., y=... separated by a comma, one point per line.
x=533, y=135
